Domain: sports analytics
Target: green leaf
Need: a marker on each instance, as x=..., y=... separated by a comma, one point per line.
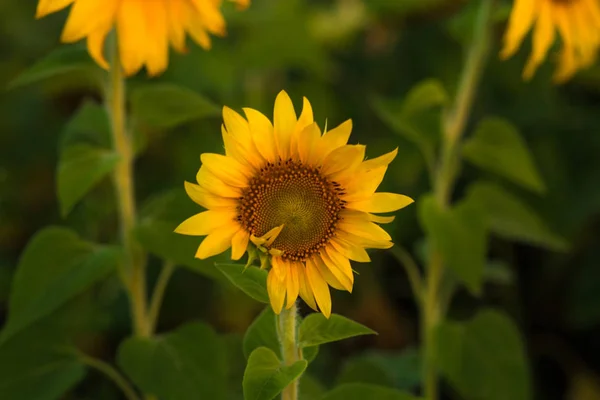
x=460, y=235
x=496, y=146
x=310, y=388
x=509, y=218
x=63, y=60
x=266, y=377
x=263, y=333
x=80, y=168
x=251, y=280
x=189, y=363
x=424, y=95
x=168, y=105
x=315, y=329
x=484, y=358
x=362, y=391
x=89, y=125
x=155, y=231
x=55, y=266
x=34, y=365
x=363, y=370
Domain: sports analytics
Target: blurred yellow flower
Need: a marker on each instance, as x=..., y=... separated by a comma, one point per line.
x=577, y=23
x=144, y=28
x=302, y=199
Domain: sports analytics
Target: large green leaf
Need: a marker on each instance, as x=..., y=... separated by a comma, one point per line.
x=510, y=218
x=63, y=60
x=55, y=266
x=89, y=125
x=310, y=388
x=80, y=168
x=34, y=364
x=263, y=333
x=189, y=363
x=497, y=146
x=168, y=105
x=362, y=391
x=484, y=358
x=155, y=230
x=315, y=329
x=251, y=280
x=266, y=376
x=460, y=235
x=424, y=95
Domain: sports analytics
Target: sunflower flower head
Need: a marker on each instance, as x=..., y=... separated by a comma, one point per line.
x=145, y=29
x=576, y=22
x=305, y=202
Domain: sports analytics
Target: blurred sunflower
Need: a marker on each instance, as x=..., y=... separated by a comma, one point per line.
x=577, y=23
x=303, y=199
x=144, y=28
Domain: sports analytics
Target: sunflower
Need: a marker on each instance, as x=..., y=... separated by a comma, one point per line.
x=144, y=28
x=577, y=23
x=301, y=200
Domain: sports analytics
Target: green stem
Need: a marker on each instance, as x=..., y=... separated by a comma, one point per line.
x=287, y=332
x=454, y=123
x=159, y=293
x=412, y=270
x=135, y=271
x=111, y=373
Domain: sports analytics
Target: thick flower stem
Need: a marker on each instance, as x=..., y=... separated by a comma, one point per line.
x=134, y=271
x=287, y=332
x=453, y=127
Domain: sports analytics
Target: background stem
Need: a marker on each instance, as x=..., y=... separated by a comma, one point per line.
x=111, y=373
x=453, y=127
x=135, y=271
x=159, y=293
x=287, y=332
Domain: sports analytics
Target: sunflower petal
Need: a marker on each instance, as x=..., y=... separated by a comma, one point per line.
x=211, y=183
x=276, y=288
x=337, y=137
x=326, y=273
x=305, y=289
x=46, y=7
x=284, y=122
x=206, y=199
x=206, y=222
x=217, y=241
x=262, y=134
x=239, y=244
x=381, y=203
x=227, y=169
x=343, y=160
x=293, y=284
x=339, y=271
x=319, y=288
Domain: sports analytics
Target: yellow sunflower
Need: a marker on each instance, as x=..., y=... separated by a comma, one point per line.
x=144, y=28
x=577, y=23
x=304, y=201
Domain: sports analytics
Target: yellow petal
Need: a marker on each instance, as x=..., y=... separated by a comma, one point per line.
x=239, y=128
x=543, y=37
x=176, y=24
x=381, y=161
x=381, y=203
x=217, y=241
x=206, y=199
x=380, y=219
x=210, y=182
x=319, y=288
x=305, y=119
x=308, y=144
x=280, y=266
x=262, y=134
x=239, y=244
x=157, y=44
x=343, y=160
x=86, y=16
x=339, y=271
x=362, y=184
x=305, y=290
x=520, y=21
x=206, y=222
x=276, y=289
x=226, y=169
x=363, y=228
x=131, y=32
x=95, y=45
x=337, y=137
x=210, y=15
x=46, y=7
x=354, y=253
x=293, y=284
x=284, y=122
x=326, y=273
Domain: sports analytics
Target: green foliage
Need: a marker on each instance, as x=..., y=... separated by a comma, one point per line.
x=315, y=329
x=188, y=363
x=510, y=218
x=310, y=388
x=167, y=105
x=496, y=146
x=263, y=333
x=62, y=61
x=55, y=266
x=418, y=117
x=251, y=280
x=80, y=168
x=35, y=365
x=361, y=391
x=460, y=235
x=159, y=217
x=266, y=377
x=484, y=357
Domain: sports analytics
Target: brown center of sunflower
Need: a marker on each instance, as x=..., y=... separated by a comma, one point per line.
x=297, y=197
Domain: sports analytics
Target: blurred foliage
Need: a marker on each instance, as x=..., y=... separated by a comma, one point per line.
x=530, y=184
